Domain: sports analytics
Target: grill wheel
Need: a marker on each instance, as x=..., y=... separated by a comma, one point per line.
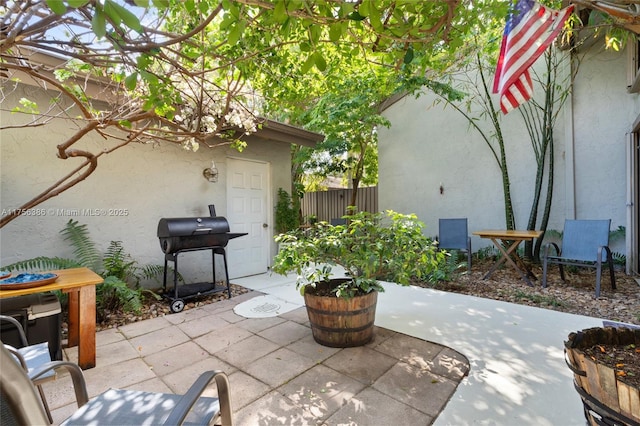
x=177, y=306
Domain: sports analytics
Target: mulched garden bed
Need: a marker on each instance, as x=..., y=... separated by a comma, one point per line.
x=576, y=296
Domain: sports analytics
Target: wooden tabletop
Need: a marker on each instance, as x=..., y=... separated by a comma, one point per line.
x=67, y=278
x=506, y=234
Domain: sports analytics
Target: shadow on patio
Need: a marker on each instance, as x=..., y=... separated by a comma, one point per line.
x=278, y=373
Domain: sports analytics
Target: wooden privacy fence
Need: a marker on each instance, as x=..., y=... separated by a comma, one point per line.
x=332, y=204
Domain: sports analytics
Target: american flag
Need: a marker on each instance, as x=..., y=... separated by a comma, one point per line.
x=531, y=28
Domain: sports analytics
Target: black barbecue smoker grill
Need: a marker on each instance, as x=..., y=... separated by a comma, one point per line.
x=186, y=234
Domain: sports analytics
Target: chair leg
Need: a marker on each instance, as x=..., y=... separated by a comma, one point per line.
x=612, y=275
x=545, y=264
x=598, y=278
x=562, y=272
x=611, y=272
x=45, y=404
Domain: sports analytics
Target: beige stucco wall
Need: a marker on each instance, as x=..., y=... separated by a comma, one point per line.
x=429, y=144
x=123, y=199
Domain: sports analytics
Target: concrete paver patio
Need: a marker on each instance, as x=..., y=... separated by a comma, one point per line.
x=518, y=374
x=279, y=375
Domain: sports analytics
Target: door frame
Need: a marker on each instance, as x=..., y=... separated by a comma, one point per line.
x=631, y=205
x=632, y=236
x=632, y=140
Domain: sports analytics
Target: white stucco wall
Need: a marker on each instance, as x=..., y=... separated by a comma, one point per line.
x=429, y=144
x=147, y=181
x=603, y=114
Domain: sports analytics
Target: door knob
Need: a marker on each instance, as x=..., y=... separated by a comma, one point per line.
x=264, y=225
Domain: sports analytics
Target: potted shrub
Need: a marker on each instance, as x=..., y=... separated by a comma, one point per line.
x=371, y=248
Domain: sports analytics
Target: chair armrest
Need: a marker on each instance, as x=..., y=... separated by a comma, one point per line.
x=181, y=410
x=16, y=324
x=16, y=353
x=608, y=252
x=77, y=378
x=547, y=246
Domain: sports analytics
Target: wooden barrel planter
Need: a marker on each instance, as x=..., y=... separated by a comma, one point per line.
x=341, y=323
x=606, y=399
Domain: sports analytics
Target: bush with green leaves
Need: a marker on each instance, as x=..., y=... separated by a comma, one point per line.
x=122, y=274
x=371, y=247
x=286, y=213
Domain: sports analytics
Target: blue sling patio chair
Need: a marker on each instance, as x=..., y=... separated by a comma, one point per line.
x=585, y=243
x=453, y=234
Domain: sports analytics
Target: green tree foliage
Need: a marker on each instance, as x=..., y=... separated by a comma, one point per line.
x=186, y=71
x=349, y=117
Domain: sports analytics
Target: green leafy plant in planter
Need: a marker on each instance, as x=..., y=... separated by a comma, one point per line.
x=122, y=274
x=371, y=247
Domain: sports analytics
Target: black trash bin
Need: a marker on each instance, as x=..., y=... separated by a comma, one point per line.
x=41, y=317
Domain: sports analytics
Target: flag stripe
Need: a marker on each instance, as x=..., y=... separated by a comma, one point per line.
x=529, y=31
x=518, y=93
x=527, y=48
x=521, y=45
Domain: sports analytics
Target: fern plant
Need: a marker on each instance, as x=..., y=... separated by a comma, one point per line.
x=451, y=268
x=114, y=294
x=122, y=275
x=84, y=249
x=121, y=287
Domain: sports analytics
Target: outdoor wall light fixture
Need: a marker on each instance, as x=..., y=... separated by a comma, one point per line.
x=211, y=173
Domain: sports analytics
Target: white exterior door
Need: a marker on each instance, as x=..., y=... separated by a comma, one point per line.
x=247, y=211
